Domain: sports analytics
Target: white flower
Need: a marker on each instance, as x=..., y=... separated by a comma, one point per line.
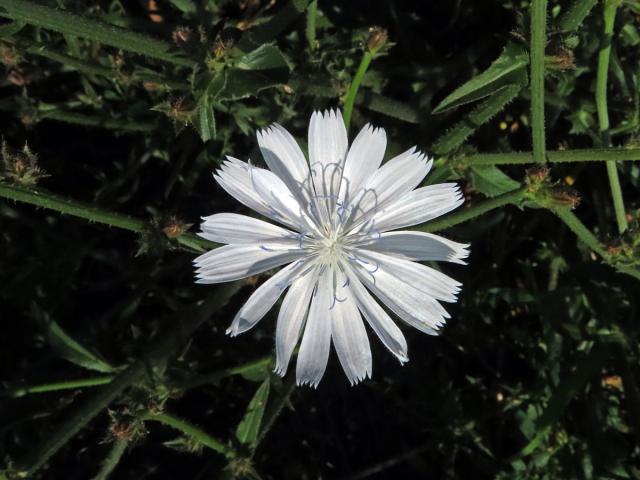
x=337, y=212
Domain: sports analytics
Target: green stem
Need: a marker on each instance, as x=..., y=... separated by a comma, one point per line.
x=581, y=231
x=209, y=378
x=113, y=459
x=559, y=156
x=355, y=85
x=50, y=201
x=91, y=68
x=310, y=30
x=514, y=197
x=538, y=42
x=76, y=25
x=276, y=409
x=98, y=121
x=610, y=8
x=192, y=431
x=133, y=375
x=56, y=386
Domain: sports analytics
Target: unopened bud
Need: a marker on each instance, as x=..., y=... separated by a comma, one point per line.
x=378, y=37
x=175, y=227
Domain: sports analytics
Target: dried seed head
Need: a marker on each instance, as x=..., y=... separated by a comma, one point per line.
x=182, y=35
x=565, y=197
x=536, y=177
x=562, y=60
x=20, y=167
x=8, y=55
x=18, y=77
x=174, y=227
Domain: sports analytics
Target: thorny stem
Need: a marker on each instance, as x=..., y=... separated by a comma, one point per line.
x=610, y=7
x=112, y=460
x=135, y=374
x=538, y=42
x=49, y=201
x=514, y=197
x=557, y=156
x=72, y=24
x=191, y=431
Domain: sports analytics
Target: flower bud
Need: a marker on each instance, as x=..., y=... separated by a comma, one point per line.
x=378, y=37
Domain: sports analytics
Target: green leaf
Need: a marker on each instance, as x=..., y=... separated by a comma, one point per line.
x=246, y=83
x=481, y=113
x=491, y=181
x=509, y=68
x=265, y=57
x=248, y=428
x=73, y=351
x=203, y=118
x=185, y=6
x=8, y=30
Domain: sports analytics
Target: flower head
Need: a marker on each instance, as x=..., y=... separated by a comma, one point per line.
x=337, y=215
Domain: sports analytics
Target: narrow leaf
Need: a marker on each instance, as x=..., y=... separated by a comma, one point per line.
x=507, y=69
x=72, y=350
x=491, y=181
x=248, y=428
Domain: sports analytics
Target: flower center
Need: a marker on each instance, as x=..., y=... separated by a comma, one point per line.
x=330, y=248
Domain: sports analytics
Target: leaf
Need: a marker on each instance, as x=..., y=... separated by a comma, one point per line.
x=203, y=118
x=248, y=428
x=255, y=371
x=508, y=68
x=265, y=57
x=8, y=30
x=246, y=83
x=482, y=113
x=73, y=351
x=491, y=181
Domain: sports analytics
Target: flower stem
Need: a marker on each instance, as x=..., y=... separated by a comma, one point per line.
x=112, y=460
x=513, y=197
x=120, y=124
x=192, y=431
x=72, y=24
x=355, y=85
x=50, y=201
x=56, y=386
x=209, y=378
x=538, y=42
x=558, y=156
x=610, y=8
x=135, y=374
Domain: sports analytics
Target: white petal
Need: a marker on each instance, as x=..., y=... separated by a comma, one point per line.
x=277, y=196
x=418, y=206
x=395, y=178
x=327, y=152
x=257, y=188
x=316, y=341
x=292, y=317
x=381, y=323
x=418, y=246
x=364, y=158
x=282, y=154
x=402, y=291
x=234, y=228
x=350, y=337
x=233, y=262
x=261, y=301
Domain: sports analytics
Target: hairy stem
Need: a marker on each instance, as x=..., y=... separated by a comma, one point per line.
x=113, y=459
x=191, y=431
x=72, y=24
x=538, y=42
x=610, y=8
x=50, y=201
x=135, y=374
x=558, y=156
x=514, y=197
